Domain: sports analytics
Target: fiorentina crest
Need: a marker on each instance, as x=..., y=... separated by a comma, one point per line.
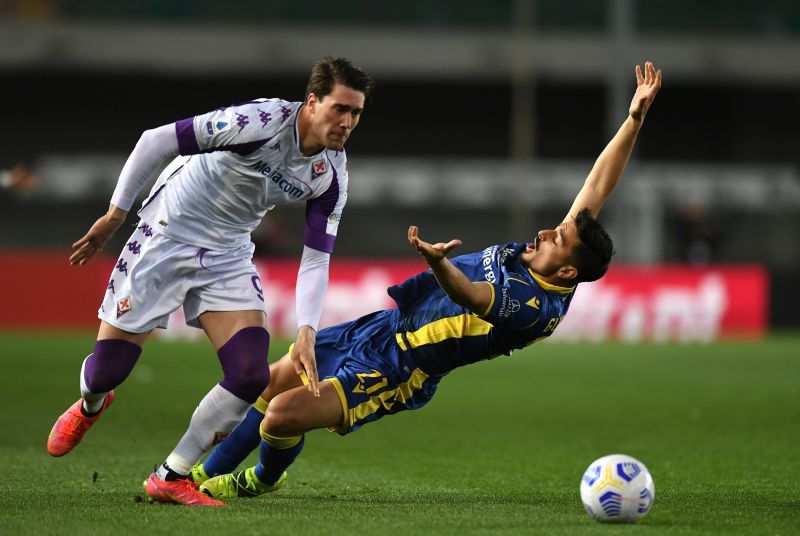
x=318, y=168
x=123, y=306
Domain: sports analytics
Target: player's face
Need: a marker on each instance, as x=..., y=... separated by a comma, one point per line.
x=334, y=116
x=550, y=252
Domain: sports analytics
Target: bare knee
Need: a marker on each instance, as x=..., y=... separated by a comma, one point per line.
x=281, y=419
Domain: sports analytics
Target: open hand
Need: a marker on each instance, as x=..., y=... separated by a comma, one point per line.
x=95, y=240
x=432, y=252
x=646, y=88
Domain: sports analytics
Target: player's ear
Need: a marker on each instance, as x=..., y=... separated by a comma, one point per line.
x=568, y=272
x=311, y=101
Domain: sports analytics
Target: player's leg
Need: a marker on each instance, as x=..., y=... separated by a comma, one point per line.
x=227, y=302
x=128, y=315
x=245, y=438
x=289, y=415
x=114, y=356
x=242, y=344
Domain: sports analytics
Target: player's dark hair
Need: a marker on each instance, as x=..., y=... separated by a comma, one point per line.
x=592, y=256
x=329, y=70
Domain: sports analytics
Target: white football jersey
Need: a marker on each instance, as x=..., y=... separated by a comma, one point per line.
x=236, y=164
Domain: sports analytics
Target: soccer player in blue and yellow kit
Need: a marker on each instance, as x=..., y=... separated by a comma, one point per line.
x=475, y=307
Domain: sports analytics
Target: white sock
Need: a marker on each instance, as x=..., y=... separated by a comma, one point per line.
x=215, y=417
x=92, y=402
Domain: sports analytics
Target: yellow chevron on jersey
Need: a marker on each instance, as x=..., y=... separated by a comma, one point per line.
x=465, y=325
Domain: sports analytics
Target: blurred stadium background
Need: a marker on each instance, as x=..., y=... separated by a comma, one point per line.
x=486, y=120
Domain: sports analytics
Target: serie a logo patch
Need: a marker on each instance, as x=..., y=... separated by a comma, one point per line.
x=215, y=127
x=123, y=306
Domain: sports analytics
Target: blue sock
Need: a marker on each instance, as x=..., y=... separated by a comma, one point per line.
x=276, y=455
x=243, y=440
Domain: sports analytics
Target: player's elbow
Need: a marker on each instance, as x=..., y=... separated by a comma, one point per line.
x=161, y=141
x=148, y=136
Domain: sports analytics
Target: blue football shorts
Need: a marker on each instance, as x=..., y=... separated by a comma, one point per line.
x=371, y=373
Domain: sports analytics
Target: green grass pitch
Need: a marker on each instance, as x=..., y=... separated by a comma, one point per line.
x=499, y=450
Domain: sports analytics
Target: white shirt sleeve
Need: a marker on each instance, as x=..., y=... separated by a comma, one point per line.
x=312, y=284
x=155, y=147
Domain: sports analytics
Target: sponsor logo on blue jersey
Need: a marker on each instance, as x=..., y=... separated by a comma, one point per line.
x=486, y=259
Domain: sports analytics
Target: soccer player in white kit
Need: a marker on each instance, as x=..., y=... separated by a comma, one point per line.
x=192, y=247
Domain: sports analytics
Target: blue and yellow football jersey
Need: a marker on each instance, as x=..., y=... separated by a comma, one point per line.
x=442, y=335
x=393, y=360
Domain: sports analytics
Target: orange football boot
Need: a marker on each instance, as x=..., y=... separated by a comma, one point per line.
x=70, y=428
x=177, y=491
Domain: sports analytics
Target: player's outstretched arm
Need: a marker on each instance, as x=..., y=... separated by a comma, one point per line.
x=474, y=296
x=610, y=165
x=154, y=147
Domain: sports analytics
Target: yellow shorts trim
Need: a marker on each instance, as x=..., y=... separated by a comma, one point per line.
x=346, y=422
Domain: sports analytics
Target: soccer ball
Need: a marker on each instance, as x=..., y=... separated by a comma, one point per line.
x=617, y=489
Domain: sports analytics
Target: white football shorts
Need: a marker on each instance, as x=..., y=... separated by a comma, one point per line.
x=155, y=275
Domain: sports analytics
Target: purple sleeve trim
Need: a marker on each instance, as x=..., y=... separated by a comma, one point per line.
x=187, y=141
x=319, y=241
x=317, y=212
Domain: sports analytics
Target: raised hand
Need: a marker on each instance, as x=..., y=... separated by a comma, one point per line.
x=431, y=252
x=646, y=88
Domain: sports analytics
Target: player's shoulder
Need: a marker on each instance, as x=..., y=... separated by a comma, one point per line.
x=271, y=114
x=555, y=298
x=267, y=103
x=338, y=160
x=275, y=105
x=524, y=287
x=518, y=303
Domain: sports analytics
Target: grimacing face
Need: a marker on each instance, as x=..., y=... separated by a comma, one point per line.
x=334, y=116
x=550, y=252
